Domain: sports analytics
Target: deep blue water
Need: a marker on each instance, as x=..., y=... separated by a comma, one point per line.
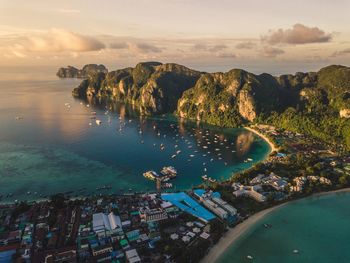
x=52, y=148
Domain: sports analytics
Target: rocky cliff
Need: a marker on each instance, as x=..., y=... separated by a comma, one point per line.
x=72, y=72
x=314, y=102
x=152, y=86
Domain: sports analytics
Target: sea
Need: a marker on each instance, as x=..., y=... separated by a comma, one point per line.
x=51, y=143
x=314, y=229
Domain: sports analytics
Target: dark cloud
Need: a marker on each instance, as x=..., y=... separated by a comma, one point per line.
x=245, y=45
x=118, y=45
x=299, y=34
x=272, y=51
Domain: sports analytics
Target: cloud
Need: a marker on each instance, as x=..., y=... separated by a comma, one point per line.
x=146, y=48
x=268, y=51
x=118, y=45
x=209, y=48
x=299, y=34
x=59, y=40
x=245, y=45
x=226, y=55
x=341, y=52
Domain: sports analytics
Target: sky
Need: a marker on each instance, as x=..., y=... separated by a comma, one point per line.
x=274, y=36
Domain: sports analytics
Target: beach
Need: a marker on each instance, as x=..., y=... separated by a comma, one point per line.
x=274, y=148
x=235, y=233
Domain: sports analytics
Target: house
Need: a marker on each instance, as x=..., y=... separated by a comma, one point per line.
x=102, y=249
x=65, y=256
x=132, y=256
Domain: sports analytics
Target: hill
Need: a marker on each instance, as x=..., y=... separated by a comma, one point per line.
x=316, y=103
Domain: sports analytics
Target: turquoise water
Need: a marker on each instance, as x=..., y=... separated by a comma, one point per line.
x=52, y=148
x=318, y=227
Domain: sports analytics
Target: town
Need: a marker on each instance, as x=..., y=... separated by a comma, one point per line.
x=168, y=226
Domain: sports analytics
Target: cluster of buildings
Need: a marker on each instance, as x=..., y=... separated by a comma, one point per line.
x=255, y=189
x=108, y=229
x=300, y=182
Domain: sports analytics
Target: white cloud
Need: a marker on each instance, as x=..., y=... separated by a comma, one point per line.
x=59, y=40
x=299, y=34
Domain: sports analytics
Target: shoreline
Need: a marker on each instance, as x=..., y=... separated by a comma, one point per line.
x=235, y=233
x=273, y=147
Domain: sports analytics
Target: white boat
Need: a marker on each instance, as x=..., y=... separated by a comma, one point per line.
x=173, y=156
x=98, y=122
x=249, y=257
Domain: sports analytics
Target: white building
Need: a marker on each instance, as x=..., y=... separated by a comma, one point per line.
x=106, y=224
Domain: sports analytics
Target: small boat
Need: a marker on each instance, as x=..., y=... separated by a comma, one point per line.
x=296, y=251
x=249, y=257
x=178, y=151
x=249, y=159
x=173, y=156
x=98, y=122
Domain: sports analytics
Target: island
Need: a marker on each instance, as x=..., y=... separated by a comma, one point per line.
x=303, y=117
x=313, y=103
x=73, y=72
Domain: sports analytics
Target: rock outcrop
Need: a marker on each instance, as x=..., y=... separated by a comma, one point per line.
x=85, y=72
x=152, y=86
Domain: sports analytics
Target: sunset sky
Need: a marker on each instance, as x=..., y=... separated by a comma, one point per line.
x=275, y=36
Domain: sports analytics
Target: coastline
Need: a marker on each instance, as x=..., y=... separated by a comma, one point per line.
x=235, y=233
x=274, y=148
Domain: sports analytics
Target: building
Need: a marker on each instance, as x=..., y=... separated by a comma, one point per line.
x=185, y=203
x=132, y=256
x=106, y=224
x=152, y=215
x=214, y=203
x=103, y=249
x=250, y=191
x=67, y=256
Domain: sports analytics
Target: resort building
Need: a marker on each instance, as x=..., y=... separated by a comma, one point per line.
x=249, y=191
x=272, y=179
x=214, y=203
x=187, y=204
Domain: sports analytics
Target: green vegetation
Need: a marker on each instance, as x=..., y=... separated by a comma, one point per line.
x=308, y=103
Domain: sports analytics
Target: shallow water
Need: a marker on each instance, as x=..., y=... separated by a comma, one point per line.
x=52, y=148
x=318, y=227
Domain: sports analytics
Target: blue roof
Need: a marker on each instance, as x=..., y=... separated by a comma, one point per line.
x=200, y=192
x=187, y=204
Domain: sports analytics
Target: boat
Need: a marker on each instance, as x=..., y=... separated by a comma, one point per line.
x=151, y=175
x=249, y=257
x=173, y=156
x=169, y=171
x=249, y=159
x=205, y=177
x=98, y=122
x=295, y=251
x=178, y=151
